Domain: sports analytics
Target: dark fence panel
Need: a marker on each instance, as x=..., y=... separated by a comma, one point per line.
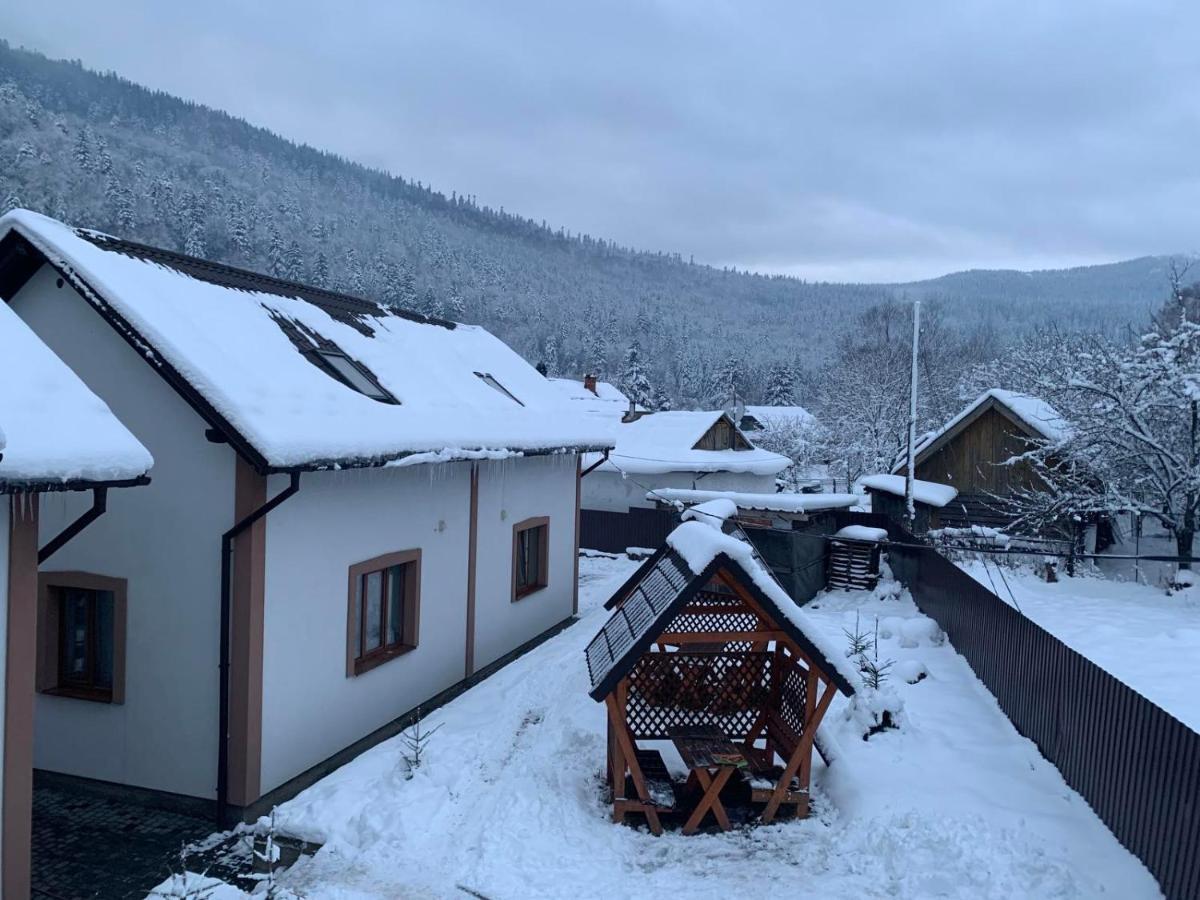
x=613, y=532
x=1135, y=764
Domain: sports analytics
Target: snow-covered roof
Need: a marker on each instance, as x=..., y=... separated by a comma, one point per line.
x=608, y=401
x=695, y=551
x=928, y=492
x=1041, y=419
x=782, y=503
x=666, y=442
x=53, y=429
x=256, y=356
x=769, y=416
x=862, y=533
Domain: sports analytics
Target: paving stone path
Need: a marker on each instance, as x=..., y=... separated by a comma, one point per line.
x=100, y=848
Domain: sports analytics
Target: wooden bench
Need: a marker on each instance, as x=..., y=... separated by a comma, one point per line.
x=765, y=778
x=659, y=788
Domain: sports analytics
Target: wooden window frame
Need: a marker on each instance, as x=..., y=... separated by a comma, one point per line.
x=358, y=663
x=49, y=639
x=543, y=580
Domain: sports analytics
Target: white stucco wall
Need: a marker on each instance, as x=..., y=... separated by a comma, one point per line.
x=165, y=540
x=509, y=492
x=612, y=491
x=311, y=708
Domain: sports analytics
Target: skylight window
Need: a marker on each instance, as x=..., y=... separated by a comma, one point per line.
x=497, y=386
x=353, y=375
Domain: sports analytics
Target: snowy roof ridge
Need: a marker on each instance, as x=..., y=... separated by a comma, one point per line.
x=56, y=431
x=1043, y=420
x=230, y=342
x=665, y=442
x=777, y=414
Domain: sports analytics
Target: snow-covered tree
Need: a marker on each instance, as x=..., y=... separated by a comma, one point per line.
x=634, y=382
x=781, y=388
x=1134, y=436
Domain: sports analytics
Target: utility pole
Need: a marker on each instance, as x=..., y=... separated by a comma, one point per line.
x=912, y=418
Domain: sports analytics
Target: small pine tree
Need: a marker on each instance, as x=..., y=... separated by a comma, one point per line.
x=276, y=253
x=416, y=741
x=781, y=386
x=83, y=150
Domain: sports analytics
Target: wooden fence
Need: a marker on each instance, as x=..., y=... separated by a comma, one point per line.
x=1135, y=764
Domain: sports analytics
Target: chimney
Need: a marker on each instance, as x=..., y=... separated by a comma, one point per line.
x=589, y=382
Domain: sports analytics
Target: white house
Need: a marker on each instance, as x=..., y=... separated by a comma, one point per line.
x=353, y=509
x=55, y=435
x=681, y=449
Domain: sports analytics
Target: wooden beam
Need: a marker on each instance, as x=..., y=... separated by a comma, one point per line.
x=803, y=751
x=714, y=637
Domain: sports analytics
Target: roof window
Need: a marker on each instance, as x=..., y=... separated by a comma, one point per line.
x=353, y=375
x=497, y=386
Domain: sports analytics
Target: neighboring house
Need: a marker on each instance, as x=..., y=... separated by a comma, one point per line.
x=681, y=449
x=595, y=398
x=972, y=453
x=354, y=508
x=684, y=449
x=55, y=436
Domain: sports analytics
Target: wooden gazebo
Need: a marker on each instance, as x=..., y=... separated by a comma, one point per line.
x=704, y=648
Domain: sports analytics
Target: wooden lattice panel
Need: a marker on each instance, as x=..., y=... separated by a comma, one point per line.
x=683, y=690
x=793, y=697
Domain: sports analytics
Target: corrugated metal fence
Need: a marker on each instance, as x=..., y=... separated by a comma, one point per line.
x=613, y=532
x=1135, y=764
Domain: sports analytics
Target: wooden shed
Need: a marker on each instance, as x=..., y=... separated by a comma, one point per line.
x=703, y=640
x=972, y=451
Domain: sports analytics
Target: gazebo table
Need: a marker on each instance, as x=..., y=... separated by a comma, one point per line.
x=712, y=758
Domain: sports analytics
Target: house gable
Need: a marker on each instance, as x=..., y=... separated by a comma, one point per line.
x=723, y=434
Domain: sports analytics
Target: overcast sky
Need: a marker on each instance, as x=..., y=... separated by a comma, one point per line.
x=839, y=140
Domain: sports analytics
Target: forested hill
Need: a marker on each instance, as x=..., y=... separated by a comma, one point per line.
x=96, y=150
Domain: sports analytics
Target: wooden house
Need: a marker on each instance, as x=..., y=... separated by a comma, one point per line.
x=976, y=454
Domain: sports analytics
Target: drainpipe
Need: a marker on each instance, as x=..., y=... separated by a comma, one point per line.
x=597, y=464
x=99, y=505
x=227, y=540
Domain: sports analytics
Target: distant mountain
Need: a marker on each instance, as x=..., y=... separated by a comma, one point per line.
x=97, y=150
x=1081, y=297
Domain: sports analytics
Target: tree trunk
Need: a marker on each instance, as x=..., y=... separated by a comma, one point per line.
x=1183, y=540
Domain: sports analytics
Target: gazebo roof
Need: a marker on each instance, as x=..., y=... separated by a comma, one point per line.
x=695, y=552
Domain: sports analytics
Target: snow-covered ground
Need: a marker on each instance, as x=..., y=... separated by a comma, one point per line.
x=1147, y=638
x=955, y=804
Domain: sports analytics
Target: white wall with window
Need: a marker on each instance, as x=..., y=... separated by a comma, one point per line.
x=322, y=663
x=512, y=492
x=164, y=541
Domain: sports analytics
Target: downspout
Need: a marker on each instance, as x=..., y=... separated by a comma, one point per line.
x=227, y=540
x=99, y=505
x=597, y=464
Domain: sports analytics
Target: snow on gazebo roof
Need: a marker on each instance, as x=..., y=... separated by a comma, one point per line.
x=666, y=442
x=931, y=493
x=1041, y=420
x=694, y=552
x=300, y=377
x=54, y=432
x=777, y=502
